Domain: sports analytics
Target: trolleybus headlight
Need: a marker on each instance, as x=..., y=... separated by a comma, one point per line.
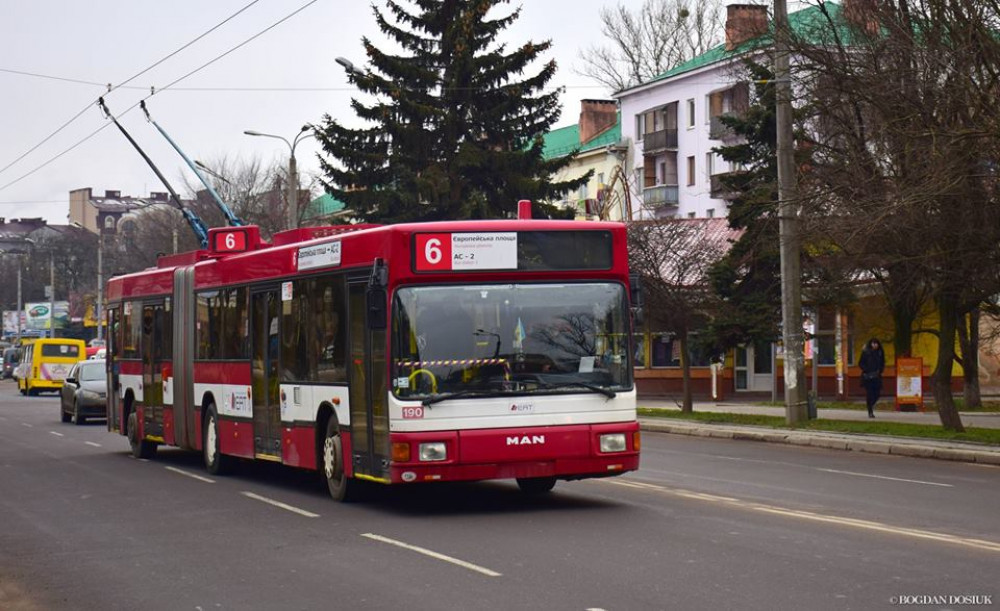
x=434, y=451
x=613, y=442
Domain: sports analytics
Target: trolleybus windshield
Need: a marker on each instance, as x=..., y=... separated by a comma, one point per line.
x=509, y=338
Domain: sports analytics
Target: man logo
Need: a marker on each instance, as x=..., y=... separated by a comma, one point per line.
x=534, y=440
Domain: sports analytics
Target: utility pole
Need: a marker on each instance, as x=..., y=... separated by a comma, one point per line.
x=788, y=227
x=99, y=307
x=293, y=192
x=52, y=294
x=20, y=302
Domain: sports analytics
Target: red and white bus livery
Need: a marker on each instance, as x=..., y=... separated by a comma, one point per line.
x=445, y=351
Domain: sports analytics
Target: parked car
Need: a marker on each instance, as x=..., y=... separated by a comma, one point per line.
x=84, y=393
x=10, y=359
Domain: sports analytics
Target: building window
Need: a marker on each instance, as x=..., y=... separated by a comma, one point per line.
x=690, y=215
x=690, y=113
x=666, y=351
x=691, y=169
x=109, y=223
x=640, y=351
x=826, y=337
x=639, y=131
x=709, y=165
x=710, y=213
x=583, y=191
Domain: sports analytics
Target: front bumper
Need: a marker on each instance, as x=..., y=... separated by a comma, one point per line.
x=564, y=452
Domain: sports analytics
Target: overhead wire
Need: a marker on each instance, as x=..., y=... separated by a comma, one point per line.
x=111, y=88
x=154, y=91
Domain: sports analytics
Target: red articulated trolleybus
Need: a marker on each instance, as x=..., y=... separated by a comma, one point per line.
x=467, y=350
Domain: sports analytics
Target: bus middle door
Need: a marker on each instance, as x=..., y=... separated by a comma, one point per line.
x=152, y=378
x=265, y=347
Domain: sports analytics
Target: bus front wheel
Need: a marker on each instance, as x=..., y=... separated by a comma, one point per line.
x=140, y=447
x=342, y=488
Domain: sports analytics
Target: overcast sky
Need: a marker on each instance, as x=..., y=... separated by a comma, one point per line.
x=109, y=41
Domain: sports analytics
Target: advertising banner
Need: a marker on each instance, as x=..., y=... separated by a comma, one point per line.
x=39, y=315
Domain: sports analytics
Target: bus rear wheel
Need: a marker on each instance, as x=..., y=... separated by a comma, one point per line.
x=342, y=488
x=140, y=447
x=216, y=462
x=536, y=485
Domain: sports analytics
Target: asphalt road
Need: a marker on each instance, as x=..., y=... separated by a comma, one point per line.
x=705, y=524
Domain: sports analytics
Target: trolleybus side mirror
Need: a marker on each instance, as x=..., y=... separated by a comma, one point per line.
x=375, y=299
x=376, y=295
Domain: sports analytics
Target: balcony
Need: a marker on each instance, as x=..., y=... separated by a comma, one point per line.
x=718, y=188
x=717, y=130
x=660, y=195
x=659, y=141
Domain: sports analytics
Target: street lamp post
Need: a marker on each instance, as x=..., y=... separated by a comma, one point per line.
x=293, y=176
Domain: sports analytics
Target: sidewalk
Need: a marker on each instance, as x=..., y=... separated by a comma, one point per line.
x=879, y=444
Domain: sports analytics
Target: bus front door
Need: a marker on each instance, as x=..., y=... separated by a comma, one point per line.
x=114, y=409
x=265, y=347
x=368, y=390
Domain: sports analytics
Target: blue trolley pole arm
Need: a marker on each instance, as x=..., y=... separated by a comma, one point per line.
x=193, y=220
x=231, y=218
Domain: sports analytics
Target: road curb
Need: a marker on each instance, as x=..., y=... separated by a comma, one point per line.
x=833, y=441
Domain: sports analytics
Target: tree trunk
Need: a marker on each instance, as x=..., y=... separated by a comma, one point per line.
x=968, y=340
x=687, y=405
x=948, y=317
x=902, y=341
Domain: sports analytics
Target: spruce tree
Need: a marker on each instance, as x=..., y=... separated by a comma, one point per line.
x=748, y=278
x=456, y=129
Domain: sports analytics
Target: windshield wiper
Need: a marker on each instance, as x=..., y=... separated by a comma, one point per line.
x=607, y=392
x=472, y=392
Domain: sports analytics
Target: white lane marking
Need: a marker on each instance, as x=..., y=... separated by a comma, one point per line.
x=433, y=554
x=56, y=434
x=895, y=479
x=992, y=546
x=191, y=475
x=27, y=425
x=91, y=443
x=264, y=499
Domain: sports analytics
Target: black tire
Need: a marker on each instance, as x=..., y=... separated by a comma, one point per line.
x=341, y=487
x=140, y=447
x=28, y=390
x=63, y=414
x=216, y=462
x=536, y=485
x=77, y=418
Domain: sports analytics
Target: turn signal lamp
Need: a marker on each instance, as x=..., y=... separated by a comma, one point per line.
x=401, y=452
x=636, y=442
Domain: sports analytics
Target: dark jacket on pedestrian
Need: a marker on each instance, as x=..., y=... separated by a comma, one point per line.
x=872, y=362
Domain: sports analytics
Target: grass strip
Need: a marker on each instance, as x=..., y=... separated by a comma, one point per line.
x=893, y=429
x=988, y=406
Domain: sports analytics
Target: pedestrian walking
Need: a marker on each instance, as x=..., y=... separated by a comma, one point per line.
x=872, y=363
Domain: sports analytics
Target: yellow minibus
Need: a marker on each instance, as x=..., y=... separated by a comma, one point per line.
x=45, y=363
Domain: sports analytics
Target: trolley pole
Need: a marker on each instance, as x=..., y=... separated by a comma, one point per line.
x=788, y=223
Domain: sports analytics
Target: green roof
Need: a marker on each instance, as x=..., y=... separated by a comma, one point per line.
x=803, y=23
x=324, y=205
x=565, y=140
